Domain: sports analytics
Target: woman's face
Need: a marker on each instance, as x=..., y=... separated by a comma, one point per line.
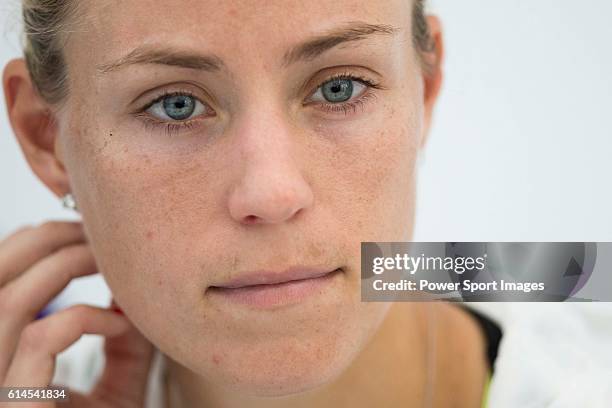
x=257, y=162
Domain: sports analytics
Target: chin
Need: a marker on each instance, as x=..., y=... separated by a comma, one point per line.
x=277, y=370
x=282, y=365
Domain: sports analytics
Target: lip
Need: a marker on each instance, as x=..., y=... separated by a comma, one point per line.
x=264, y=277
x=267, y=289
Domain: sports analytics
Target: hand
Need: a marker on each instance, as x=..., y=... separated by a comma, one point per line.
x=36, y=264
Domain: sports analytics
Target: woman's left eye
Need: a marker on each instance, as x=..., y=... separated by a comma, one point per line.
x=338, y=90
x=178, y=107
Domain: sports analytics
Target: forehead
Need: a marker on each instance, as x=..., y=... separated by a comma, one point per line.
x=109, y=28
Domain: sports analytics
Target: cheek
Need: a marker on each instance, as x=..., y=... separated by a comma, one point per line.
x=149, y=222
x=137, y=207
x=373, y=173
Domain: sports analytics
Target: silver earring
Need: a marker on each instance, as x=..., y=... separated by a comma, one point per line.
x=69, y=202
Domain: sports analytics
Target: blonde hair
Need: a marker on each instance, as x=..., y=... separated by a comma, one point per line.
x=46, y=27
x=47, y=24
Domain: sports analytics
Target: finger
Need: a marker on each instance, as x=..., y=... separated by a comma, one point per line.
x=27, y=245
x=25, y=296
x=40, y=342
x=126, y=372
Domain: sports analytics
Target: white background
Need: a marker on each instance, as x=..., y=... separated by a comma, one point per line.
x=522, y=142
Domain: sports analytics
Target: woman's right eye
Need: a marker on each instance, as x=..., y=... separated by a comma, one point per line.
x=176, y=107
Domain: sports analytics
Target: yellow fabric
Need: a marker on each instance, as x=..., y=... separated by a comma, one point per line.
x=485, y=394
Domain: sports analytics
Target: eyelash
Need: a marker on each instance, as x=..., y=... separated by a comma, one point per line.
x=346, y=107
x=151, y=123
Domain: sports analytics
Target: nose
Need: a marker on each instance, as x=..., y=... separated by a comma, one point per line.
x=271, y=188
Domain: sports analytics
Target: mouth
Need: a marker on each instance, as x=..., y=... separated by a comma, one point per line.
x=267, y=289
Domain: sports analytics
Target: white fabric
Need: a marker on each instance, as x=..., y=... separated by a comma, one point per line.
x=552, y=355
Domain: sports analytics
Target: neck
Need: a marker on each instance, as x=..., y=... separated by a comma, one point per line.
x=394, y=369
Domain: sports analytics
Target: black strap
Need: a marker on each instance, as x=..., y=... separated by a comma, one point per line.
x=492, y=332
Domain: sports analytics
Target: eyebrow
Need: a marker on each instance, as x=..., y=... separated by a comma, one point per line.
x=308, y=50
x=353, y=31
x=147, y=54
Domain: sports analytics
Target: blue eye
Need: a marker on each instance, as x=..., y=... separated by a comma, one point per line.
x=179, y=107
x=176, y=107
x=338, y=90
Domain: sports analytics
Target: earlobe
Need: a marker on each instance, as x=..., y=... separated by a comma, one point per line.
x=34, y=125
x=432, y=78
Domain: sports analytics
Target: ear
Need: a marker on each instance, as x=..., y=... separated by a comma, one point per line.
x=432, y=79
x=35, y=126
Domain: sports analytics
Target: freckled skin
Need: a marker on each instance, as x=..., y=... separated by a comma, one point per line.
x=169, y=216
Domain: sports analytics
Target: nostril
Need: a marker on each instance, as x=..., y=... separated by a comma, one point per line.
x=250, y=219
